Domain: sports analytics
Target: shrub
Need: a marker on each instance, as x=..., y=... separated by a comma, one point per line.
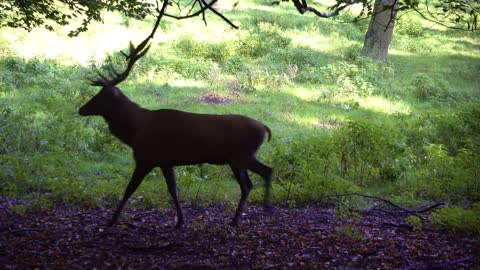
x=13, y=175
x=235, y=64
x=453, y=129
x=410, y=27
x=262, y=40
x=218, y=52
x=306, y=169
x=458, y=218
x=425, y=88
x=370, y=152
x=35, y=202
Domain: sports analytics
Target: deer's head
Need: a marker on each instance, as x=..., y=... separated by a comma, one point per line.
x=110, y=96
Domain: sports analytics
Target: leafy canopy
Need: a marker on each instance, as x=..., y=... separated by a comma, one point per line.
x=28, y=14
x=457, y=14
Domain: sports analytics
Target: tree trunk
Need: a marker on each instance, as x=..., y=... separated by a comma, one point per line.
x=380, y=29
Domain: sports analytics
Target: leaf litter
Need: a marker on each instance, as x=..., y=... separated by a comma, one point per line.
x=314, y=236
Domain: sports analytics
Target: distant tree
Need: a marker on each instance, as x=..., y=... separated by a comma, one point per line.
x=457, y=14
x=380, y=29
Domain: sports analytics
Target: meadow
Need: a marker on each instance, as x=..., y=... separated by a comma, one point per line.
x=407, y=129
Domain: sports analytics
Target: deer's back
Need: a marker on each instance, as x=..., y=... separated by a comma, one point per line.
x=189, y=138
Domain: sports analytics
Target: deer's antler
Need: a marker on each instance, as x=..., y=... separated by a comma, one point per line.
x=134, y=54
x=116, y=77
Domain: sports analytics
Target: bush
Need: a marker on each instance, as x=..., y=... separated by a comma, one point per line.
x=355, y=78
x=370, y=152
x=35, y=202
x=458, y=218
x=452, y=129
x=410, y=27
x=306, y=169
x=262, y=40
x=235, y=64
x=425, y=88
x=215, y=51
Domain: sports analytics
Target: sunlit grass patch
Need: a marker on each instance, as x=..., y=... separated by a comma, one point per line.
x=382, y=105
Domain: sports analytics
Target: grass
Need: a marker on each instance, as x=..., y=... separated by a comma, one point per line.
x=407, y=129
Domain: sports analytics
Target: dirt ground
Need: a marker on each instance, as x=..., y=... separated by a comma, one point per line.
x=309, y=237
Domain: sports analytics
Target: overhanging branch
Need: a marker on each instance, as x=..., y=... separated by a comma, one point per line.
x=210, y=7
x=204, y=6
x=302, y=7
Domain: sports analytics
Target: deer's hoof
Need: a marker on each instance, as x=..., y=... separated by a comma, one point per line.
x=269, y=209
x=179, y=225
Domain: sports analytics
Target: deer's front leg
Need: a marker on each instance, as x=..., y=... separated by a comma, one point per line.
x=137, y=178
x=172, y=188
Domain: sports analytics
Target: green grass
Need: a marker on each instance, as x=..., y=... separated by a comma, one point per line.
x=407, y=129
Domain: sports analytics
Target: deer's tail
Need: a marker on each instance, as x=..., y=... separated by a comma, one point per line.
x=267, y=129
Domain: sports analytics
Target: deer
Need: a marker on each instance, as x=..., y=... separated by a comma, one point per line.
x=167, y=138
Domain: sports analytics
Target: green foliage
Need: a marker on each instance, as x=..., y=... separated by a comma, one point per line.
x=262, y=39
x=461, y=13
x=426, y=88
x=347, y=228
x=219, y=52
x=235, y=64
x=446, y=154
x=35, y=202
x=31, y=13
x=370, y=152
x=414, y=221
x=458, y=218
x=410, y=27
x=306, y=170
x=355, y=78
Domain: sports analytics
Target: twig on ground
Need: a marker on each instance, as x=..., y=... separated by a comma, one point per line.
x=142, y=214
x=409, y=211
x=150, y=248
x=402, y=225
x=444, y=265
x=50, y=249
x=20, y=231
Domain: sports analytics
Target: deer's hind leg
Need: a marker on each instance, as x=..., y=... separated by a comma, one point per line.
x=243, y=180
x=266, y=173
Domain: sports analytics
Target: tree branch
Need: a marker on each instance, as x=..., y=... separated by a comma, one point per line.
x=393, y=12
x=430, y=208
x=303, y=7
x=200, y=3
x=435, y=20
x=189, y=14
x=203, y=7
x=411, y=212
x=161, y=12
x=219, y=14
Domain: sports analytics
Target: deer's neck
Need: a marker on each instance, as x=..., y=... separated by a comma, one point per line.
x=124, y=122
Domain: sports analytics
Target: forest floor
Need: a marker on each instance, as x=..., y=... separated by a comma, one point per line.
x=308, y=237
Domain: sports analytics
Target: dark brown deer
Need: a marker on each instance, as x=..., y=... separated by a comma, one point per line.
x=167, y=138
